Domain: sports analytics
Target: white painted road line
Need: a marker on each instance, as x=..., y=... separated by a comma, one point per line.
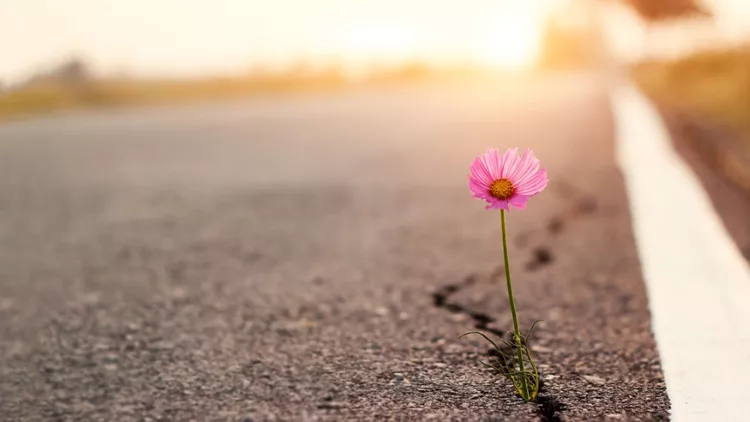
x=697, y=281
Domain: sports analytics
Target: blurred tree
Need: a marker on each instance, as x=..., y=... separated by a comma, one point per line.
x=571, y=37
x=657, y=12
x=661, y=10
x=74, y=71
x=561, y=47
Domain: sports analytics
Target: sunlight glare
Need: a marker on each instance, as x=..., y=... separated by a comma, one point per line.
x=379, y=41
x=375, y=45
x=513, y=41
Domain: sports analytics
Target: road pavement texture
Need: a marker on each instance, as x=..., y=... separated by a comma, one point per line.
x=315, y=258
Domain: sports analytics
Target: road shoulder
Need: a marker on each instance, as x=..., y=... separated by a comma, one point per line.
x=697, y=281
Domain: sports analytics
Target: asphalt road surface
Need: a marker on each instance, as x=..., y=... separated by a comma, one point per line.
x=314, y=257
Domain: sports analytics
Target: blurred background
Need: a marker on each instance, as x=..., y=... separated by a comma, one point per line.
x=89, y=53
x=691, y=56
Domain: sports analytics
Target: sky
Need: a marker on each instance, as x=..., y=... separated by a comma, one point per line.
x=186, y=37
x=155, y=38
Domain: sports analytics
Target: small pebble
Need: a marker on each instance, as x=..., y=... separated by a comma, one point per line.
x=399, y=379
x=594, y=379
x=459, y=317
x=541, y=349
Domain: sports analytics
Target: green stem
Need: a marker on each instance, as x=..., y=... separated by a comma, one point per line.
x=525, y=394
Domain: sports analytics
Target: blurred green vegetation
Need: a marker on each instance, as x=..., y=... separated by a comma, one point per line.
x=715, y=84
x=75, y=89
x=53, y=95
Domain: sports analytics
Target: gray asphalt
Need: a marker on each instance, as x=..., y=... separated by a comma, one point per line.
x=314, y=257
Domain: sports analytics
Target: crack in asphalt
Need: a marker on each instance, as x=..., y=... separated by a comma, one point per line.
x=549, y=408
x=481, y=320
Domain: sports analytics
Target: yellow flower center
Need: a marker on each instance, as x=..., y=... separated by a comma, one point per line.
x=502, y=189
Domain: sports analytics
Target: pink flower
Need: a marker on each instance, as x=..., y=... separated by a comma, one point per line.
x=508, y=179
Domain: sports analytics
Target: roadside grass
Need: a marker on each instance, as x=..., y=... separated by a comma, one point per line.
x=51, y=96
x=713, y=84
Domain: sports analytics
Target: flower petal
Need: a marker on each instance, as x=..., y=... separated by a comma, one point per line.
x=508, y=163
x=478, y=187
x=497, y=204
x=533, y=185
x=519, y=201
x=480, y=172
x=525, y=165
x=491, y=160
